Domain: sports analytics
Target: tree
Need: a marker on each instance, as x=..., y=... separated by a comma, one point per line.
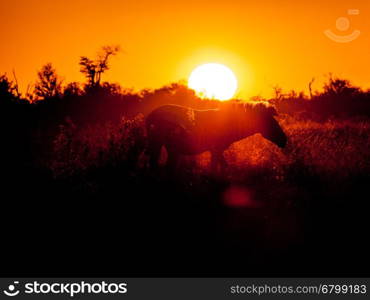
x=310, y=87
x=278, y=92
x=93, y=69
x=73, y=89
x=7, y=88
x=339, y=87
x=48, y=84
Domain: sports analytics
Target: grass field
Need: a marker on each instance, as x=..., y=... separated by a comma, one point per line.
x=268, y=206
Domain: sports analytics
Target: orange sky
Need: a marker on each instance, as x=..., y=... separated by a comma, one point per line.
x=264, y=42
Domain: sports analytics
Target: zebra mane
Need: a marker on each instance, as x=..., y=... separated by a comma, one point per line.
x=263, y=108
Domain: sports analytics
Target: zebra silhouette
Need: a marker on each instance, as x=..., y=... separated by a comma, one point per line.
x=186, y=131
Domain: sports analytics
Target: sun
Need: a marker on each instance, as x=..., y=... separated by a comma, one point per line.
x=214, y=81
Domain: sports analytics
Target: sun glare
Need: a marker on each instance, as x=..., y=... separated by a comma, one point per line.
x=215, y=81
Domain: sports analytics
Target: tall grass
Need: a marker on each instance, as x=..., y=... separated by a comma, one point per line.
x=330, y=152
x=335, y=148
x=266, y=195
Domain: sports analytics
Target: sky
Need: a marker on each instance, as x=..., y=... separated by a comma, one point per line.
x=266, y=43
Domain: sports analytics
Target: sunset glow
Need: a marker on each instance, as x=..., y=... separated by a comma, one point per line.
x=214, y=81
x=265, y=43
x=209, y=136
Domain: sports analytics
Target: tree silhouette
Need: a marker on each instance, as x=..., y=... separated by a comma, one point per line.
x=310, y=87
x=93, y=69
x=7, y=88
x=48, y=84
x=73, y=89
x=339, y=87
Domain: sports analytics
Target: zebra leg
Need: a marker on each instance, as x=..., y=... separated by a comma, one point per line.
x=218, y=162
x=154, y=151
x=172, y=160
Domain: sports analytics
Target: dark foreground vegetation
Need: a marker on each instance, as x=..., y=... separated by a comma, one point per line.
x=78, y=195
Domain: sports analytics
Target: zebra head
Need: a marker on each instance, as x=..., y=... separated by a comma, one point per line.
x=270, y=128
